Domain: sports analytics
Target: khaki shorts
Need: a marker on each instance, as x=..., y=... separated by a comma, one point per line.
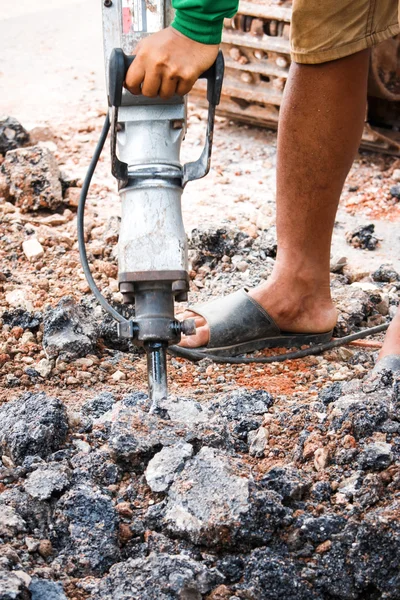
x=324, y=30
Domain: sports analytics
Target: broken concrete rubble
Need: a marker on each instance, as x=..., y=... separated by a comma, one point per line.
x=100, y=404
x=86, y=527
x=363, y=237
x=158, y=576
x=354, y=308
x=22, y=318
x=211, y=501
x=69, y=330
x=12, y=587
x=33, y=424
x=136, y=436
x=11, y=523
x=376, y=456
x=214, y=502
x=162, y=468
x=33, y=178
x=42, y=589
x=45, y=481
x=12, y=134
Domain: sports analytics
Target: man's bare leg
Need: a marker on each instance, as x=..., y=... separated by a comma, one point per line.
x=321, y=124
x=391, y=344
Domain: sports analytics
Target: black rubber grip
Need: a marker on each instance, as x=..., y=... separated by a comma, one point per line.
x=120, y=63
x=215, y=76
x=117, y=70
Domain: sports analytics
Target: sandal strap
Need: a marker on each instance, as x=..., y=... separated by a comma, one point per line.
x=235, y=319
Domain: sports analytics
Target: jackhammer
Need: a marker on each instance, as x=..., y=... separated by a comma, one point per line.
x=146, y=137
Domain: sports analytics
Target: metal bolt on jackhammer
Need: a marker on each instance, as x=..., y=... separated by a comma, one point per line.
x=188, y=327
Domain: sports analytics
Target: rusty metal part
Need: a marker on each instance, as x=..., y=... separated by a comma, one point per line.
x=384, y=74
x=256, y=47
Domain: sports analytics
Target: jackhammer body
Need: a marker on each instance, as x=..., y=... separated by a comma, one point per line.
x=146, y=138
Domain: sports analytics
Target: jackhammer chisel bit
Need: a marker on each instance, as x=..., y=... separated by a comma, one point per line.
x=146, y=137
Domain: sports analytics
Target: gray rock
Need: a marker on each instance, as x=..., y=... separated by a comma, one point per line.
x=97, y=466
x=100, y=404
x=43, y=589
x=363, y=237
x=12, y=587
x=320, y=529
x=366, y=413
x=136, y=436
x=258, y=441
x=164, y=465
x=47, y=480
x=269, y=576
x=35, y=513
x=86, y=528
x=364, y=557
x=215, y=502
x=33, y=424
x=395, y=191
x=44, y=367
x=321, y=491
x=354, y=307
x=158, y=577
x=376, y=456
x=11, y=523
x=18, y=317
x=371, y=491
x=337, y=264
x=330, y=393
x=208, y=245
x=287, y=481
x=12, y=135
x=385, y=274
x=137, y=399
x=342, y=403
x=375, y=555
x=350, y=485
x=184, y=410
x=70, y=330
x=111, y=233
x=245, y=403
x=267, y=242
x=33, y=177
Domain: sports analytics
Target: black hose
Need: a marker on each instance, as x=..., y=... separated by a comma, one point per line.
x=193, y=355
x=312, y=350
x=81, y=224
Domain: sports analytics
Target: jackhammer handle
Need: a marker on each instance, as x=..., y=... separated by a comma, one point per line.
x=120, y=63
x=215, y=76
x=117, y=70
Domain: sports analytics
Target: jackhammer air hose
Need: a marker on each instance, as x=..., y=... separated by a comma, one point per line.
x=81, y=227
x=312, y=350
x=193, y=355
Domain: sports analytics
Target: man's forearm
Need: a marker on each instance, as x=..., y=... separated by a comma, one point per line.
x=202, y=20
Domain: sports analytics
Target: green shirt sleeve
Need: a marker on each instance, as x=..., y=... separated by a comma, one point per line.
x=202, y=20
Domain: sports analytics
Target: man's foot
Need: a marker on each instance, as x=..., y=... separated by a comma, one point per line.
x=391, y=345
x=297, y=305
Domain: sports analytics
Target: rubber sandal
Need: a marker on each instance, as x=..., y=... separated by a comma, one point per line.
x=390, y=362
x=238, y=324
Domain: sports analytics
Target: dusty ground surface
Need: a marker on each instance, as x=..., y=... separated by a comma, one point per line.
x=276, y=481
